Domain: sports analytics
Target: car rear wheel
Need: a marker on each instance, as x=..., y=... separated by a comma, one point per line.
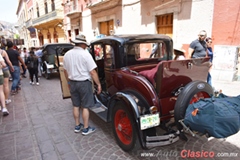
x=192, y=92
x=47, y=75
x=124, y=127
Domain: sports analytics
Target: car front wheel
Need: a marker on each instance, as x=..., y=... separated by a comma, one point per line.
x=124, y=127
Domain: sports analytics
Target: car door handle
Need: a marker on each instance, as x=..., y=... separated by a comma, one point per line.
x=189, y=65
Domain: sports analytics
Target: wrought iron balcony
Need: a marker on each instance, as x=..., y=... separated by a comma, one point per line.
x=51, y=16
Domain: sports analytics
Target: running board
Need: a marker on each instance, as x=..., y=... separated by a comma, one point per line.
x=163, y=140
x=100, y=110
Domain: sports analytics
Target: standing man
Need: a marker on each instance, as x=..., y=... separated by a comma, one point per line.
x=14, y=57
x=198, y=47
x=79, y=69
x=39, y=54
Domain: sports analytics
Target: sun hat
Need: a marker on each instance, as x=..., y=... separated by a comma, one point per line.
x=178, y=50
x=80, y=39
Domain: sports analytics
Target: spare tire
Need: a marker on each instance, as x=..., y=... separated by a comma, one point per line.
x=191, y=93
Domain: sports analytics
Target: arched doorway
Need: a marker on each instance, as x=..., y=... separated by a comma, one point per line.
x=49, y=37
x=55, y=36
x=40, y=38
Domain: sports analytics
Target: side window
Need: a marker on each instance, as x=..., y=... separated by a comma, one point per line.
x=98, y=51
x=109, y=59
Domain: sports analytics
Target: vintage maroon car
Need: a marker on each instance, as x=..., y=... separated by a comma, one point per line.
x=144, y=89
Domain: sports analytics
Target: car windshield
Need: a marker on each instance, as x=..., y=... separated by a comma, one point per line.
x=142, y=51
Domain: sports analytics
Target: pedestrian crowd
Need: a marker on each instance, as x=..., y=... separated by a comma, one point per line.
x=14, y=64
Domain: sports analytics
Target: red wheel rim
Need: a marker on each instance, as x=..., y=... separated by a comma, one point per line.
x=123, y=127
x=198, y=96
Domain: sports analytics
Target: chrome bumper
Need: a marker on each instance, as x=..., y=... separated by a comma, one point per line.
x=163, y=140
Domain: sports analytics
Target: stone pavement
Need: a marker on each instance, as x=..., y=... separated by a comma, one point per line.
x=40, y=127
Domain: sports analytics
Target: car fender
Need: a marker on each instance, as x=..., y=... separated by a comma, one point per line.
x=133, y=108
x=132, y=105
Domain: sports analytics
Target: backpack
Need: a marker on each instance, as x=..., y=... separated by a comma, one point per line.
x=219, y=117
x=30, y=62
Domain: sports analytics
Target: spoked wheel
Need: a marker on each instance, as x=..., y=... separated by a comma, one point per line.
x=192, y=92
x=123, y=127
x=198, y=96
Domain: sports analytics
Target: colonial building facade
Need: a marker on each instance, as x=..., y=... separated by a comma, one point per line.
x=60, y=20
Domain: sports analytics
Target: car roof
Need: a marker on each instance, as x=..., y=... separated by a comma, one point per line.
x=56, y=44
x=130, y=38
x=50, y=47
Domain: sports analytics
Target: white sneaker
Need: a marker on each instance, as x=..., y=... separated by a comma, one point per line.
x=37, y=83
x=5, y=112
x=7, y=101
x=32, y=83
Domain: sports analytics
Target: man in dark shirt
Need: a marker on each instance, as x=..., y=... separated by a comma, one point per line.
x=198, y=47
x=14, y=57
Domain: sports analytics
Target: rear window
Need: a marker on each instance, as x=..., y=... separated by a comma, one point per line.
x=143, y=51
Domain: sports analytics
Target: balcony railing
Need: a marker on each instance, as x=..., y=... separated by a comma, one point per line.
x=57, y=14
x=103, y=4
x=72, y=8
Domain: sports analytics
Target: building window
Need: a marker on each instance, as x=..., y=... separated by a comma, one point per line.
x=76, y=32
x=46, y=7
x=53, y=5
x=37, y=10
x=107, y=27
x=69, y=33
x=165, y=24
x=74, y=5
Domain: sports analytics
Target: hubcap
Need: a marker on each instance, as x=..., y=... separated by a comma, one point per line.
x=119, y=127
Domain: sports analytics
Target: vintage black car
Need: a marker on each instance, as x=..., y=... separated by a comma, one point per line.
x=144, y=89
x=52, y=57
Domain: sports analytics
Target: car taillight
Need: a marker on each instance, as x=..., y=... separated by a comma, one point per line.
x=153, y=109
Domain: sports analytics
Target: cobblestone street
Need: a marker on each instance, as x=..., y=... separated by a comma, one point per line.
x=40, y=127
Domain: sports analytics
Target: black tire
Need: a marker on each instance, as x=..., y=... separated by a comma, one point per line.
x=47, y=75
x=124, y=128
x=186, y=97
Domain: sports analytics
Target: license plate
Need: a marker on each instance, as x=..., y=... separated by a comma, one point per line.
x=150, y=120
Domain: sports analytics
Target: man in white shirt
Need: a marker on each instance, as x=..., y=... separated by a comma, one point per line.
x=79, y=68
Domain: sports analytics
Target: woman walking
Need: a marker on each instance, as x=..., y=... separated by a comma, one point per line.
x=32, y=65
x=2, y=97
x=6, y=75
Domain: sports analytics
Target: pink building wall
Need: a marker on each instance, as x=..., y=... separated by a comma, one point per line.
x=226, y=22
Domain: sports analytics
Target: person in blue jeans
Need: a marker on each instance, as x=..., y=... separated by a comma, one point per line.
x=15, y=58
x=210, y=54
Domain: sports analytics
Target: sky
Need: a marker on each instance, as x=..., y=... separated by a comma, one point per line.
x=8, y=9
